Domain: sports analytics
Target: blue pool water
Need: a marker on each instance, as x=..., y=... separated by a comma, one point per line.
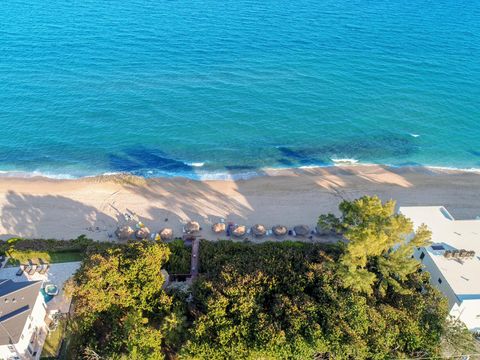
x=46, y=297
x=210, y=87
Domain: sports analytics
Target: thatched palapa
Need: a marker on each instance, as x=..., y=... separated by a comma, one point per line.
x=239, y=230
x=142, y=233
x=259, y=230
x=166, y=234
x=218, y=228
x=301, y=230
x=124, y=232
x=191, y=227
x=279, y=230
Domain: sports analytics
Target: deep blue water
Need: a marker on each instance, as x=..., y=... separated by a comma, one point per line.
x=152, y=87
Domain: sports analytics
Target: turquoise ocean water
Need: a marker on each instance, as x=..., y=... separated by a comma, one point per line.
x=205, y=88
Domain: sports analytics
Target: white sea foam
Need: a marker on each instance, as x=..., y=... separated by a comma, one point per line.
x=345, y=161
x=31, y=174
x=414, y=135
x=305, y=167
x=220, y=175
x=196, y=164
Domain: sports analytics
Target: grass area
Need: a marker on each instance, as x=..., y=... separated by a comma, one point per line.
x=53, y=341
x=22, y=257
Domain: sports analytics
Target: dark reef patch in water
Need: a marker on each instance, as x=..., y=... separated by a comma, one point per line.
x=371, y=149
x=142, y=158
x=301, y=156
x=474, y=152
x=285, y=162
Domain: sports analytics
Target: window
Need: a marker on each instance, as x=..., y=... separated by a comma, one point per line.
x=422, y=255
x=439, y=280
x=438, y=247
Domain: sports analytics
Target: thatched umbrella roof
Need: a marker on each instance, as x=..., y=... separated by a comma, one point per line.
x=279, y=230
x=239, y=230
x=192, y=227
x=218, y=227
x=259, y=230
x=301, y=230
x=124, y=232
x=142, y=233
x=166, y=234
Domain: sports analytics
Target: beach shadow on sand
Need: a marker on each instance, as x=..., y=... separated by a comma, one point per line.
x=38, y=216
x=288, y=197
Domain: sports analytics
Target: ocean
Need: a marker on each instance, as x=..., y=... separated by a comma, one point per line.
x=214, y=89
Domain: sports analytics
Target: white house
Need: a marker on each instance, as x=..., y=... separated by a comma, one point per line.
x=452, y=259
x=22, y=314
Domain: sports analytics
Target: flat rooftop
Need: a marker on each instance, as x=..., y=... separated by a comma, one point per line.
x=463, y=275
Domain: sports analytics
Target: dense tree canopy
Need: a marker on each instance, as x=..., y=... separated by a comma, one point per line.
x=380, y=242
x=121, y=309
x=277, y=301
x=361, y=298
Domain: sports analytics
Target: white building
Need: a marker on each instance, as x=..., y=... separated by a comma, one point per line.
x=453, y=259
x=22, y=314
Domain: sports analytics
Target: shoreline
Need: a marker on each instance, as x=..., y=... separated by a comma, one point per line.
x=230, y=176
x=39, y=207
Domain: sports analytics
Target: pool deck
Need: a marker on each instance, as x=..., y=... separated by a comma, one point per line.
x=57, y=274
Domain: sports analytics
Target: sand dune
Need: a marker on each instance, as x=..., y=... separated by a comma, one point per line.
x=63, y=209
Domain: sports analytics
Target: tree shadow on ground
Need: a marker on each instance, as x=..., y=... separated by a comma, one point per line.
x=37, y=216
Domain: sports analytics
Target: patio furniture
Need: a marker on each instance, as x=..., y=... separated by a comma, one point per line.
x=33, y=269
x=20, y=270
x=45, y=268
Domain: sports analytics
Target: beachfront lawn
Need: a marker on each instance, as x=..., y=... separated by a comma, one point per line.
x=53, y=342
x=49, y=250
x=21, y=257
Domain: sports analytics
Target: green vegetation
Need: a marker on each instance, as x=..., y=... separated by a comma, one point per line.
x=53, y=342
x=122, y=310
x=179, y=259
x=22, y=257
x=369, y=262
x=363, y=298
x=51, y=251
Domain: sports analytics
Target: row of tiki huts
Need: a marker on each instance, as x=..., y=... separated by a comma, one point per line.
x=192, y=228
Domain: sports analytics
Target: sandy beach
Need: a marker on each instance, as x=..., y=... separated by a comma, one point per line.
x=63, y=209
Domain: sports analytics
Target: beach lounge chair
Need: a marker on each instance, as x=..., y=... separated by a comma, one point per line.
x=33, y=268
x=39, y=268
x=20, y=270
x=45, y=268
